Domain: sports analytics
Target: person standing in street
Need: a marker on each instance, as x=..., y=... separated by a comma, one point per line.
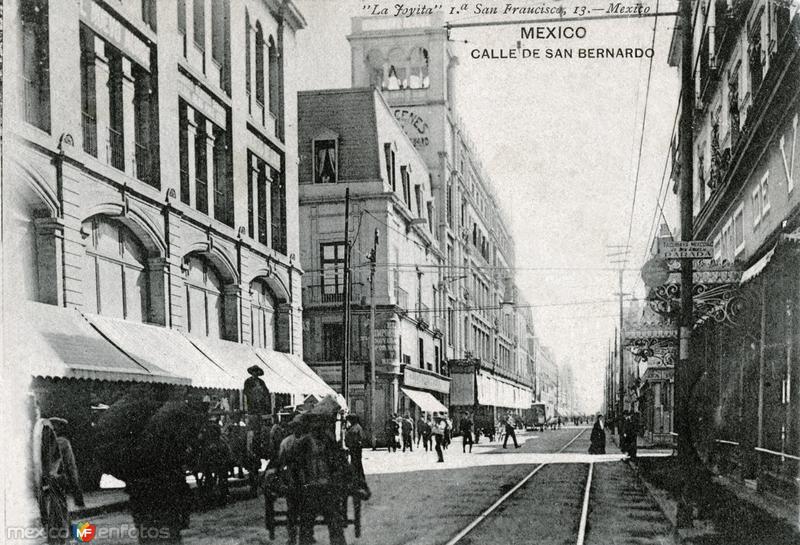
x=407, y=427
x=354, y=440
x=466, y=426
x=392, y=430
x=420, y=427
x=427, y=430
x=438, y=435
x=448, y=431
x=510, y=432
x=598, y=437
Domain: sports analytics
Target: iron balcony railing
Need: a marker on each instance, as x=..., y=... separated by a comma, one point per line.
x=116, y=150
x=401, y=298
x=326, y=294
x=89, y=125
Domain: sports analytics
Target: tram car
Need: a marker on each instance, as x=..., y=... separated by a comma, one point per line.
x=535, y=418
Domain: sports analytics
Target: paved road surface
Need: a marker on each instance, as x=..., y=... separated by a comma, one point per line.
x=418, y=501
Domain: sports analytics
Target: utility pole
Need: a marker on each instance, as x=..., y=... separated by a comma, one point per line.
x=621, y=350
x=372, y=262
x=683, y=416
x=346, y=301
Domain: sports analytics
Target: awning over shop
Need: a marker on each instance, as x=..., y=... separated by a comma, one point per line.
x=425, y=401
x=757, y=267
x=295, y=371
x=58, y=342
x=235, y=358
x=168, y=348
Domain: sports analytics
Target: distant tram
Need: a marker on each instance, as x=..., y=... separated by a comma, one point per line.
x=535, y=418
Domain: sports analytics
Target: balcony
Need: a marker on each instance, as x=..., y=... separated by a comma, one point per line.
x=331, y=295
x=116, y=149
x=89, y=125
x=401, y=298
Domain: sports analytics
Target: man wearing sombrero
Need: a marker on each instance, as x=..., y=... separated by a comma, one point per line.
x=256, y=394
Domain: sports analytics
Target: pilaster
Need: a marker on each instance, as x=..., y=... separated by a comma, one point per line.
x=50, y=262
x=128, y=117
x=102, y=99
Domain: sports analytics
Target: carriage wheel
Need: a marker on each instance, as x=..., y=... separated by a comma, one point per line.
x=55, y=515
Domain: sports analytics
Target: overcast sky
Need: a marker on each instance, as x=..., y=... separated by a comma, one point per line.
x=560, y=140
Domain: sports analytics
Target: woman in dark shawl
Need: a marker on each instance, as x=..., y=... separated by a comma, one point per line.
x=598, y=437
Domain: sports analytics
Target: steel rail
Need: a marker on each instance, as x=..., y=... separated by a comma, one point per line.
x=585, y=510
x=472, y=525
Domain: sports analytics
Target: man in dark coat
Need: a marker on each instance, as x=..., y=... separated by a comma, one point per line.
x=466, y=432
x=598, y=437
x=256, y=393
x=407, y=427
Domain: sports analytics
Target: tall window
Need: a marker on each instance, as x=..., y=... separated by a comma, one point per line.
x=418, y=69
x=274, y=76
x=262, y=315
x=247, y=54
x=406, y=185
x=203, y=298
x=391, y=172
x=332, y=341
x=325, y=162
x=332, y=261
x=35, y=63
x=259, y=65
x=421, y=360
x=199, y=23
x=115, y=276
x=278, y=211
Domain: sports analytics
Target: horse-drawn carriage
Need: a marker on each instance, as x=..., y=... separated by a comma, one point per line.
x=50, y=482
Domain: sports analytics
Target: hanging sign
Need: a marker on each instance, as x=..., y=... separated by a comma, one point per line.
x=692, y=249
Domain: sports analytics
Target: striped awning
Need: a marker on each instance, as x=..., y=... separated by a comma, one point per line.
x=57, y=342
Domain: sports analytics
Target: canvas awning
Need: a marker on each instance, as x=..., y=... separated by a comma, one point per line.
x=425, y=401
x=757, y=267
x=167, y=348
x=58, y=342
x=296, y=371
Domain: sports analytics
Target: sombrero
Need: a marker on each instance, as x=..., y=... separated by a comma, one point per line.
x=255, y=370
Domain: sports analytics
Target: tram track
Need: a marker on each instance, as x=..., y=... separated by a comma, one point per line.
x=465, y=535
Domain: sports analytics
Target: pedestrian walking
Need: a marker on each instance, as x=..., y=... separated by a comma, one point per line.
x=448, y=431
x=392, y=430
x=427, y=430
x=509, y=425
x=407, y=427
x=465, y=427
x=288, y=468
x=598, y=437
x=420, y=427
x=438, y=436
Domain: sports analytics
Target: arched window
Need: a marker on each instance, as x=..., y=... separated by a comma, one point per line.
x=115, y=276
x=274, y=79
x=375, y=67
x=262, y=315
x=418, y=69
x=204, y=305
x=397, y=76
x=247, y=68
x=259, y=65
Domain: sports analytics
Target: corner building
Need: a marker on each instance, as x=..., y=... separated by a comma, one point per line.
x=150, y=199
x=412, y=63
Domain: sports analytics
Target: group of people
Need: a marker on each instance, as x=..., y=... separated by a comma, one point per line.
x=628, y=431
x=434, y=432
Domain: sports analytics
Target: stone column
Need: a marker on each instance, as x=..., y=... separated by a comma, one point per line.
x=128, y=117
x=283, y=337
x=158, y=278
x=210, y=164
x=191, y=138
x=49, y=260
x=232, y=304
x=102, y=99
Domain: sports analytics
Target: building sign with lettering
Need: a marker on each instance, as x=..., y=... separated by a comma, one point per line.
x=414, y=126
x=110, y=28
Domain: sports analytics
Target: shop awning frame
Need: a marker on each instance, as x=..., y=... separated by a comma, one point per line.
x=425, y=401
